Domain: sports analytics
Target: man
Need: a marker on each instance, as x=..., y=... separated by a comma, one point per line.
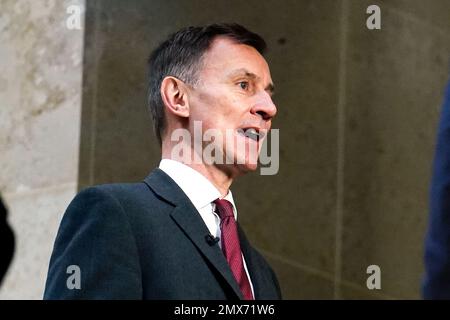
x=436, y=284
x=174, y=235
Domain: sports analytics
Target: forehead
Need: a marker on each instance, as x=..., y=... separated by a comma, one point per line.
x=226, y=57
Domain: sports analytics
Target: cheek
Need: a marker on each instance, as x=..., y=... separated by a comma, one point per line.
x=230, y=107
x=217, y=107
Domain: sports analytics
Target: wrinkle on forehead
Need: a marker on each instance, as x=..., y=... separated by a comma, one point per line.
x=225, y=56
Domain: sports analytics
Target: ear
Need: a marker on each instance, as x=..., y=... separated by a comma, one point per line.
x=174, y=96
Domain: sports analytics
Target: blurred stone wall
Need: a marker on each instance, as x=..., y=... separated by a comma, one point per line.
x=40, y=105
x=357, y=113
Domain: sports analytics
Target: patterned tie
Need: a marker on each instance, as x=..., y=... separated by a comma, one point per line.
x=231, y=247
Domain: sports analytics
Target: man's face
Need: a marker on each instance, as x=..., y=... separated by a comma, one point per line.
x=234, y=94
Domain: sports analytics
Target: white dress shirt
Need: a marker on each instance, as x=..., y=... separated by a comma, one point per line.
x=202, y=193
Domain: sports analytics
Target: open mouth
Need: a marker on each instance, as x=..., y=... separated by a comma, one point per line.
x=251, y=133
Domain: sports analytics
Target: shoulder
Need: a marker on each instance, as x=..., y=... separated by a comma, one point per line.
x=116, y=203
x=113, y=191
x=117, y=195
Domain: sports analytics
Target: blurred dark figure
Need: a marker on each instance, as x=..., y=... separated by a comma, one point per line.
x=6, y=242
x=436, y=284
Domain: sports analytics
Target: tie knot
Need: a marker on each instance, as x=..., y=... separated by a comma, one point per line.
x=224, y=208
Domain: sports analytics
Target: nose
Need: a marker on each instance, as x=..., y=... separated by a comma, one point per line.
x=264, y=106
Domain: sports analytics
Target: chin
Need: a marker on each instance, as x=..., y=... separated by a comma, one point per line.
x=251, y=167
x=237, y=170
x=248, y=166
x=243, y=169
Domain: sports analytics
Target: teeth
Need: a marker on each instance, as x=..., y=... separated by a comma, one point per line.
x=252, y=134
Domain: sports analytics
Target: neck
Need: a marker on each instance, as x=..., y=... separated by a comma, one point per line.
x=218, y=176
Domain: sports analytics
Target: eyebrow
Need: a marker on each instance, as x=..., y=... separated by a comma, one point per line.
x=244, y=72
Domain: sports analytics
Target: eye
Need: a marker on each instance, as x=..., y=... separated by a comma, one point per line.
x=244, y=85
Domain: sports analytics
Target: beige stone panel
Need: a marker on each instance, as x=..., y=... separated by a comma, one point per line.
x=34, y=216
x=40, y=94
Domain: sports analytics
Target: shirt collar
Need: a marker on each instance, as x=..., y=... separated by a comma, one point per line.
x=197, y=187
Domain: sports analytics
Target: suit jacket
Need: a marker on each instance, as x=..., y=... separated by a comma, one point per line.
x=146, y=241
x=436, y=284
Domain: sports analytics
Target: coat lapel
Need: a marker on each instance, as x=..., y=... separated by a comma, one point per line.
x=189, y=220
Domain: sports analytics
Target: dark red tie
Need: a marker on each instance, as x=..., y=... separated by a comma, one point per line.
x=231, y=247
